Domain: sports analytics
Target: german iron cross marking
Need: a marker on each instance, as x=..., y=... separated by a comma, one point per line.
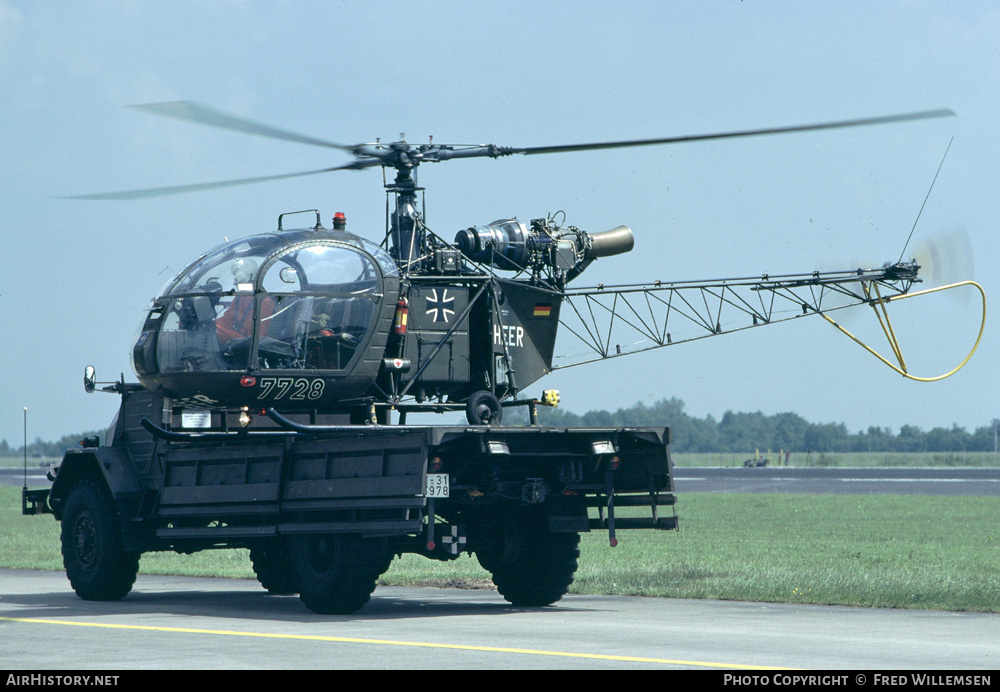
x=443, y=307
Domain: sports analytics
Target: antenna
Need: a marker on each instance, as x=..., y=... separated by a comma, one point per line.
x=25, y=448
x=925, y=201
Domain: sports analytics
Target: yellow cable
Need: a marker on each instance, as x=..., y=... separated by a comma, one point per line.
x=890, y=334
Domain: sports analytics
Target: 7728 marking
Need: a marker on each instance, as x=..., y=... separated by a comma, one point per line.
x=292, y=388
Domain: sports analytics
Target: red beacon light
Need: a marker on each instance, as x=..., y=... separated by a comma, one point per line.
x=339, y=221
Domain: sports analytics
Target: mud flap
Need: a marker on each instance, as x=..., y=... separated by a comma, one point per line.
x=567, y=513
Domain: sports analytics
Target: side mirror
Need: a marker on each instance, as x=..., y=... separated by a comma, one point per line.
x=89, y=378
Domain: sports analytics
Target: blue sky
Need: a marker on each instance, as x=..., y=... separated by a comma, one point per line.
x=79, y=274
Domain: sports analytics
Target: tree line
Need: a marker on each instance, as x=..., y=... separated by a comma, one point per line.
x=734, y=432
x=48, y=450
x=745, y=432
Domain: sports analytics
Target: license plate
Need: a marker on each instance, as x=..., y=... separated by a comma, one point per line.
x=437, y=485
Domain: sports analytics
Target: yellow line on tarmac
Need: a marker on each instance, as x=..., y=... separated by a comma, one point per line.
x=388, y=642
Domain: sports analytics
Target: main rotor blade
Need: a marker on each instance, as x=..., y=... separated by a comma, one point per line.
x=919, y=115
x=203, y=115
x=178, y=189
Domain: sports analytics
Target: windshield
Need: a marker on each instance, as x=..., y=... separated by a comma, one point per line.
x=271, y=304
x=217, y=270
x=323, y=301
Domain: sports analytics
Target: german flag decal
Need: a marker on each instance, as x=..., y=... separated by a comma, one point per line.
x=542, y=310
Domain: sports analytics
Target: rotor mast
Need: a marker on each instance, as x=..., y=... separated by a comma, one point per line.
x=406, y=233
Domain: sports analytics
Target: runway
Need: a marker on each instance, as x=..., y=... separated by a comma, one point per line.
x=842, y=481
x=194, y=623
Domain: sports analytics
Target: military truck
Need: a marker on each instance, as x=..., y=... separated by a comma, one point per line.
x=324, y=504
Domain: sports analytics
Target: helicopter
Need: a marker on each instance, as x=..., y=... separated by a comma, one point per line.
x=326, y=322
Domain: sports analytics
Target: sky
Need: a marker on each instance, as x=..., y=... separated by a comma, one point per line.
x=79, y=274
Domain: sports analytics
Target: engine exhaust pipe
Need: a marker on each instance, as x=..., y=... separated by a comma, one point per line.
x=617, y=241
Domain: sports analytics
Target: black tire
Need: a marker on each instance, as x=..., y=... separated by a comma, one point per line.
x=96, y=565
x=386, y=562
x=270, y=564
x=336, y=573
x=483, y=408
x=532, y=566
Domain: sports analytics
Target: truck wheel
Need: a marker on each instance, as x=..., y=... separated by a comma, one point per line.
x=535, y=566
x=386, y=563
x=270, y=564
x=96, y=565
x=336, y=573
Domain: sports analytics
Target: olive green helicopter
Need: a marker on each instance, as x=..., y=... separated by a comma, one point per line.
x=327, y=322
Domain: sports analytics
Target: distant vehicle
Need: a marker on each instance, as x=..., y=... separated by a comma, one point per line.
x=755, y=462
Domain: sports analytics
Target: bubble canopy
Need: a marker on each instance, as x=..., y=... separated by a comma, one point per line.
x=290, y=305
x=322, y=250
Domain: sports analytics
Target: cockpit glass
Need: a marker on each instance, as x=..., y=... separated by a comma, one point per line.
x=227, y=266
x=321, y=302
x=310, y=305
x=321, y=268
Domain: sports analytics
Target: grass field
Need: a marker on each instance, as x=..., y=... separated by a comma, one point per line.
x=940, y=553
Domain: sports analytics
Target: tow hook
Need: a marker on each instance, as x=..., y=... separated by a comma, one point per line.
x=533, y=491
